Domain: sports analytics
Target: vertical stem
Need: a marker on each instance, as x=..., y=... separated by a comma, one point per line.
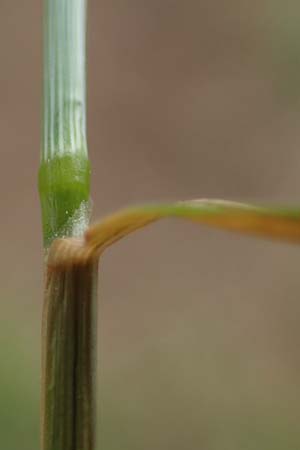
x=69, y=316
x=64, y=177
x=64, y=77
x=68, y=367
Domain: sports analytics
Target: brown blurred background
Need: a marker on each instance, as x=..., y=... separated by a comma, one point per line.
x=198, y=329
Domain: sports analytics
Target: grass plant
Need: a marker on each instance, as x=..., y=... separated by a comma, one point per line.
x=73, y=246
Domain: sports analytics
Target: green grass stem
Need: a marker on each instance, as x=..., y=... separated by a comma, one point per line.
x=64, y=176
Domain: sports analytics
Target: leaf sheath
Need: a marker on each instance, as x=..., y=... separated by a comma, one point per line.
x=68, y=358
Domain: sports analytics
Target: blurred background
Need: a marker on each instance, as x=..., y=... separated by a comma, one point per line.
x=198, y=329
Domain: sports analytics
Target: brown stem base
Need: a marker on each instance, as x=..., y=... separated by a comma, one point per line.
x=68, y=358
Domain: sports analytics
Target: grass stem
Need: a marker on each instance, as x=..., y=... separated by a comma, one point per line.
x=69, y=315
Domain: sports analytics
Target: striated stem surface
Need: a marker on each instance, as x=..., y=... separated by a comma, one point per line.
x=64, y=176
x=68, y=359
x=69, y=314
x=64, y=78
